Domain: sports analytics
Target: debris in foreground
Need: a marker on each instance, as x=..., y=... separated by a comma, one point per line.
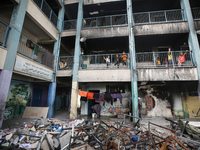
x=52, y=134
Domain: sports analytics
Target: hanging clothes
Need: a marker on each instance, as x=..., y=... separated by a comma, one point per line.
x=101, y=98
x=108, y=97
x=97, y=109
x=83, y=93
x=90, y=95
x=84, y=99
x=117, y=96
x=126, y=95
x=96, y=95
x=79, y=101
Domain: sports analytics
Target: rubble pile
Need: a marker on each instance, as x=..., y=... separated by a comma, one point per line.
x=52, y=134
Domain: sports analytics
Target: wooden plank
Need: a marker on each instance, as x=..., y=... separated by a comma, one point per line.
x=35, y=112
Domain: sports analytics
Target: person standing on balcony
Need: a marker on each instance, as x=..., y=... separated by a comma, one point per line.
x=117, y=61
x=165, y=63
x=124, y=58
x=170, y=57
x=107, y=61
x=181, y=58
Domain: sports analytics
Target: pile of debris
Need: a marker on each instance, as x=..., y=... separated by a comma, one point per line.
x=81, y=134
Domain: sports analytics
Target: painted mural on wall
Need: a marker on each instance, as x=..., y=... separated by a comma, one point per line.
x=191, y=106
x=19, y=97
x=108, y=108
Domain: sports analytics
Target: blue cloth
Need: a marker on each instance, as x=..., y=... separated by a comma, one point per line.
x=116, y=96
x=134, y=138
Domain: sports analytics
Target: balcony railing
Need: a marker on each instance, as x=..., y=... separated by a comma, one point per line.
x=4, y=30
x=96, y=61
x=36, y=52
x=144, y=60
x=121, y=20
x=66, y=62
x=44, y=6
x=159, y=16
x=160, y=59
x=196, y=13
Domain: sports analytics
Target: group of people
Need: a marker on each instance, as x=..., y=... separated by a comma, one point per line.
x=123, y=56
x=169, y=62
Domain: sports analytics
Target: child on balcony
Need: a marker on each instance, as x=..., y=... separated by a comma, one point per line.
x=107, y=61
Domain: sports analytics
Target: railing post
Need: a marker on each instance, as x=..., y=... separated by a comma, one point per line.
x=41, y=4
x=95, y=57
x=5, y=36
x=183, y=18
x=129, y=60
x=80, y=62
x=165, y=16
x=50, y=14
x=154, y=59
x=32, y=54
x=111, y=60
x=191, y=58
x=110, y=20
x=172, y=60
x=97, y=22
x=149, y=17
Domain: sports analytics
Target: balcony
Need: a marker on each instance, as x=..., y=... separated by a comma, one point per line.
x=4, y=30
x=151, y=66
x=121, y=20
x=46, y=9
x=35, y=52
x=144, y=60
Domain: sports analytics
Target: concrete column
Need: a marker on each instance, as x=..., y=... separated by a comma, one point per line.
x=56, y=52
x=16, y=25
x=74, y=93
x=134, y=88
x=193, y=40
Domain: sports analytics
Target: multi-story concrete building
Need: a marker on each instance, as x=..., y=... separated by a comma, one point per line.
x=51, y=49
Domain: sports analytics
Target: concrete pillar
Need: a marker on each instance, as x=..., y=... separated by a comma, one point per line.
x=56, y=52
x=74, y=93
x=193, y=40
x=16, y=25
x=134, y=88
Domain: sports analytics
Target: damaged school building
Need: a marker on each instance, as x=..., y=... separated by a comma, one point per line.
x=51, y=50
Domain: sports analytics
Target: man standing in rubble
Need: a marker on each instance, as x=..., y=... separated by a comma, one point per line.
x=140, y=108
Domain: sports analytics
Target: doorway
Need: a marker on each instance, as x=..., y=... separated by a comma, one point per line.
x=37, y=97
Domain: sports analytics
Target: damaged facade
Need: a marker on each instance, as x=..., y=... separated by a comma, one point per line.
x=51, y=49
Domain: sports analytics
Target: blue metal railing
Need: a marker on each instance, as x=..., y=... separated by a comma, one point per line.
x=36, y=52
x=196, y=13
x=144, y=60
x=121, y=20
x=96, y=61
x=159, y=16
x=4, y=30
x=160, y=59
x=44, y=6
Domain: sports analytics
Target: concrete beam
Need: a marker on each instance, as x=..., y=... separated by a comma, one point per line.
x=41, y=20
x=169, y=74
x=89, y=2
x=106, y=75
x=144, y=74
x=139, y=30
x=64, y=73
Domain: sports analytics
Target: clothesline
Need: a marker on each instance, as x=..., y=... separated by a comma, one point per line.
x=103, y=97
